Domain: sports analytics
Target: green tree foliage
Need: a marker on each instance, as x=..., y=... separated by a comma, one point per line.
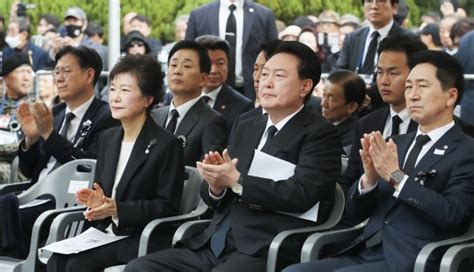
x=163, y=12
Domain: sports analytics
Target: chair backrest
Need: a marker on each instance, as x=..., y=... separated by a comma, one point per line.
x=62, y=183
x=190, y=197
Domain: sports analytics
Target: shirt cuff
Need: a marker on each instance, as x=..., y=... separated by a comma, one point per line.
x=216, y=198
x=400, y=186
x=366, y=190
x=115, y=219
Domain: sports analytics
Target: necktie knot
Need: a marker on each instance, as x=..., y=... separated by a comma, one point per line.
x=205, y=99
x=232, y=7
x=422, y=139
x=272, y=130
x=174, y=114
x=69, y=116
x=375, y=35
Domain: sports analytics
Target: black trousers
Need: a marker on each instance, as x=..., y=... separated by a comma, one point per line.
x=202, y=260
x=97, y=259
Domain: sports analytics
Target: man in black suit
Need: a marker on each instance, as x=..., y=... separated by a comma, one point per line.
x=359, y=49
x=67, y=132
x=253, y=24
x=219, y=95
x=417, y=188
x=200, y=128
x=343, y=94
x=247, y=207
x=392, y=71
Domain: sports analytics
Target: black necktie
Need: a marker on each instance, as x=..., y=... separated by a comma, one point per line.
x=171, y=127
x=272, y=130
x=206, y=99
x=67, y=123
x=420, y=141
x=396, y=121
x=368, y=67
x=231, y=38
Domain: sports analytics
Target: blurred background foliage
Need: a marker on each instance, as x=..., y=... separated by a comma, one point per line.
x=163, y=12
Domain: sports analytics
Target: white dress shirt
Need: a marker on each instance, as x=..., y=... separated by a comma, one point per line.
x=383, y=33
x=404, y=115
x=182, y=110
x=239, y=18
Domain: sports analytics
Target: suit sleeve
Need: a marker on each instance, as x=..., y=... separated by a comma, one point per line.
x=314, y=178
x=360, y=206
x=28, y=158
x=451, y=207
x=169, y=187
x=64, y=151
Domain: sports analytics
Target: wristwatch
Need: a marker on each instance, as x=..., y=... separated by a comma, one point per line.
x=237, y=187
x=396, y=177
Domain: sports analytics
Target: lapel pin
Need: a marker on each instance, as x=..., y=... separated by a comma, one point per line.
x=251, y=10
x=152, y=142
x=223, y=107
x=445, y=147
x=439, y=152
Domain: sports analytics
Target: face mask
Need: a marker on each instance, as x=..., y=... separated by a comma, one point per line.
x=73, y=31
x=13, y=42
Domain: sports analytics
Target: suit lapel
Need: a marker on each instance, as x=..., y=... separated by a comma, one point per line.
x=190, y=119
x=287, y=133
x=110, y=164
x=89, y=115
x=222, y=100
x=160, y=115
x=248, y=22
x=252, y=139
x=137, y=157
x=359, y=46
x=59, y=120
x=445, y=145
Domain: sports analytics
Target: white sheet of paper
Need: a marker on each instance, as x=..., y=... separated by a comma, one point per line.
x=76, y=185
x=89, y=239
x=270, y=167
x=34, y=203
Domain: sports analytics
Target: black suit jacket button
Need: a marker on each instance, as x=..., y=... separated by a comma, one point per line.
x=387, y=221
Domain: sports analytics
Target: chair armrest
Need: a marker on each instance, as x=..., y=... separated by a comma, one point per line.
x=454, y=256
x=17, y=187
x=189, y=229
x=425, y=252
x=58, y=229
x=313, y=245
x=35, y=236
x=175, y=220
x=277, y=242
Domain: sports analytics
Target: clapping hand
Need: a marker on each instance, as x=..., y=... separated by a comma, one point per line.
x=219, y=171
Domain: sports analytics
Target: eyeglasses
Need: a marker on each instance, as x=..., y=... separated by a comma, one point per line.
x=377, y=2
x=65, y=72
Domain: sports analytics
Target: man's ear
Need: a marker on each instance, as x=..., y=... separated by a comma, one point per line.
x=306, y=87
